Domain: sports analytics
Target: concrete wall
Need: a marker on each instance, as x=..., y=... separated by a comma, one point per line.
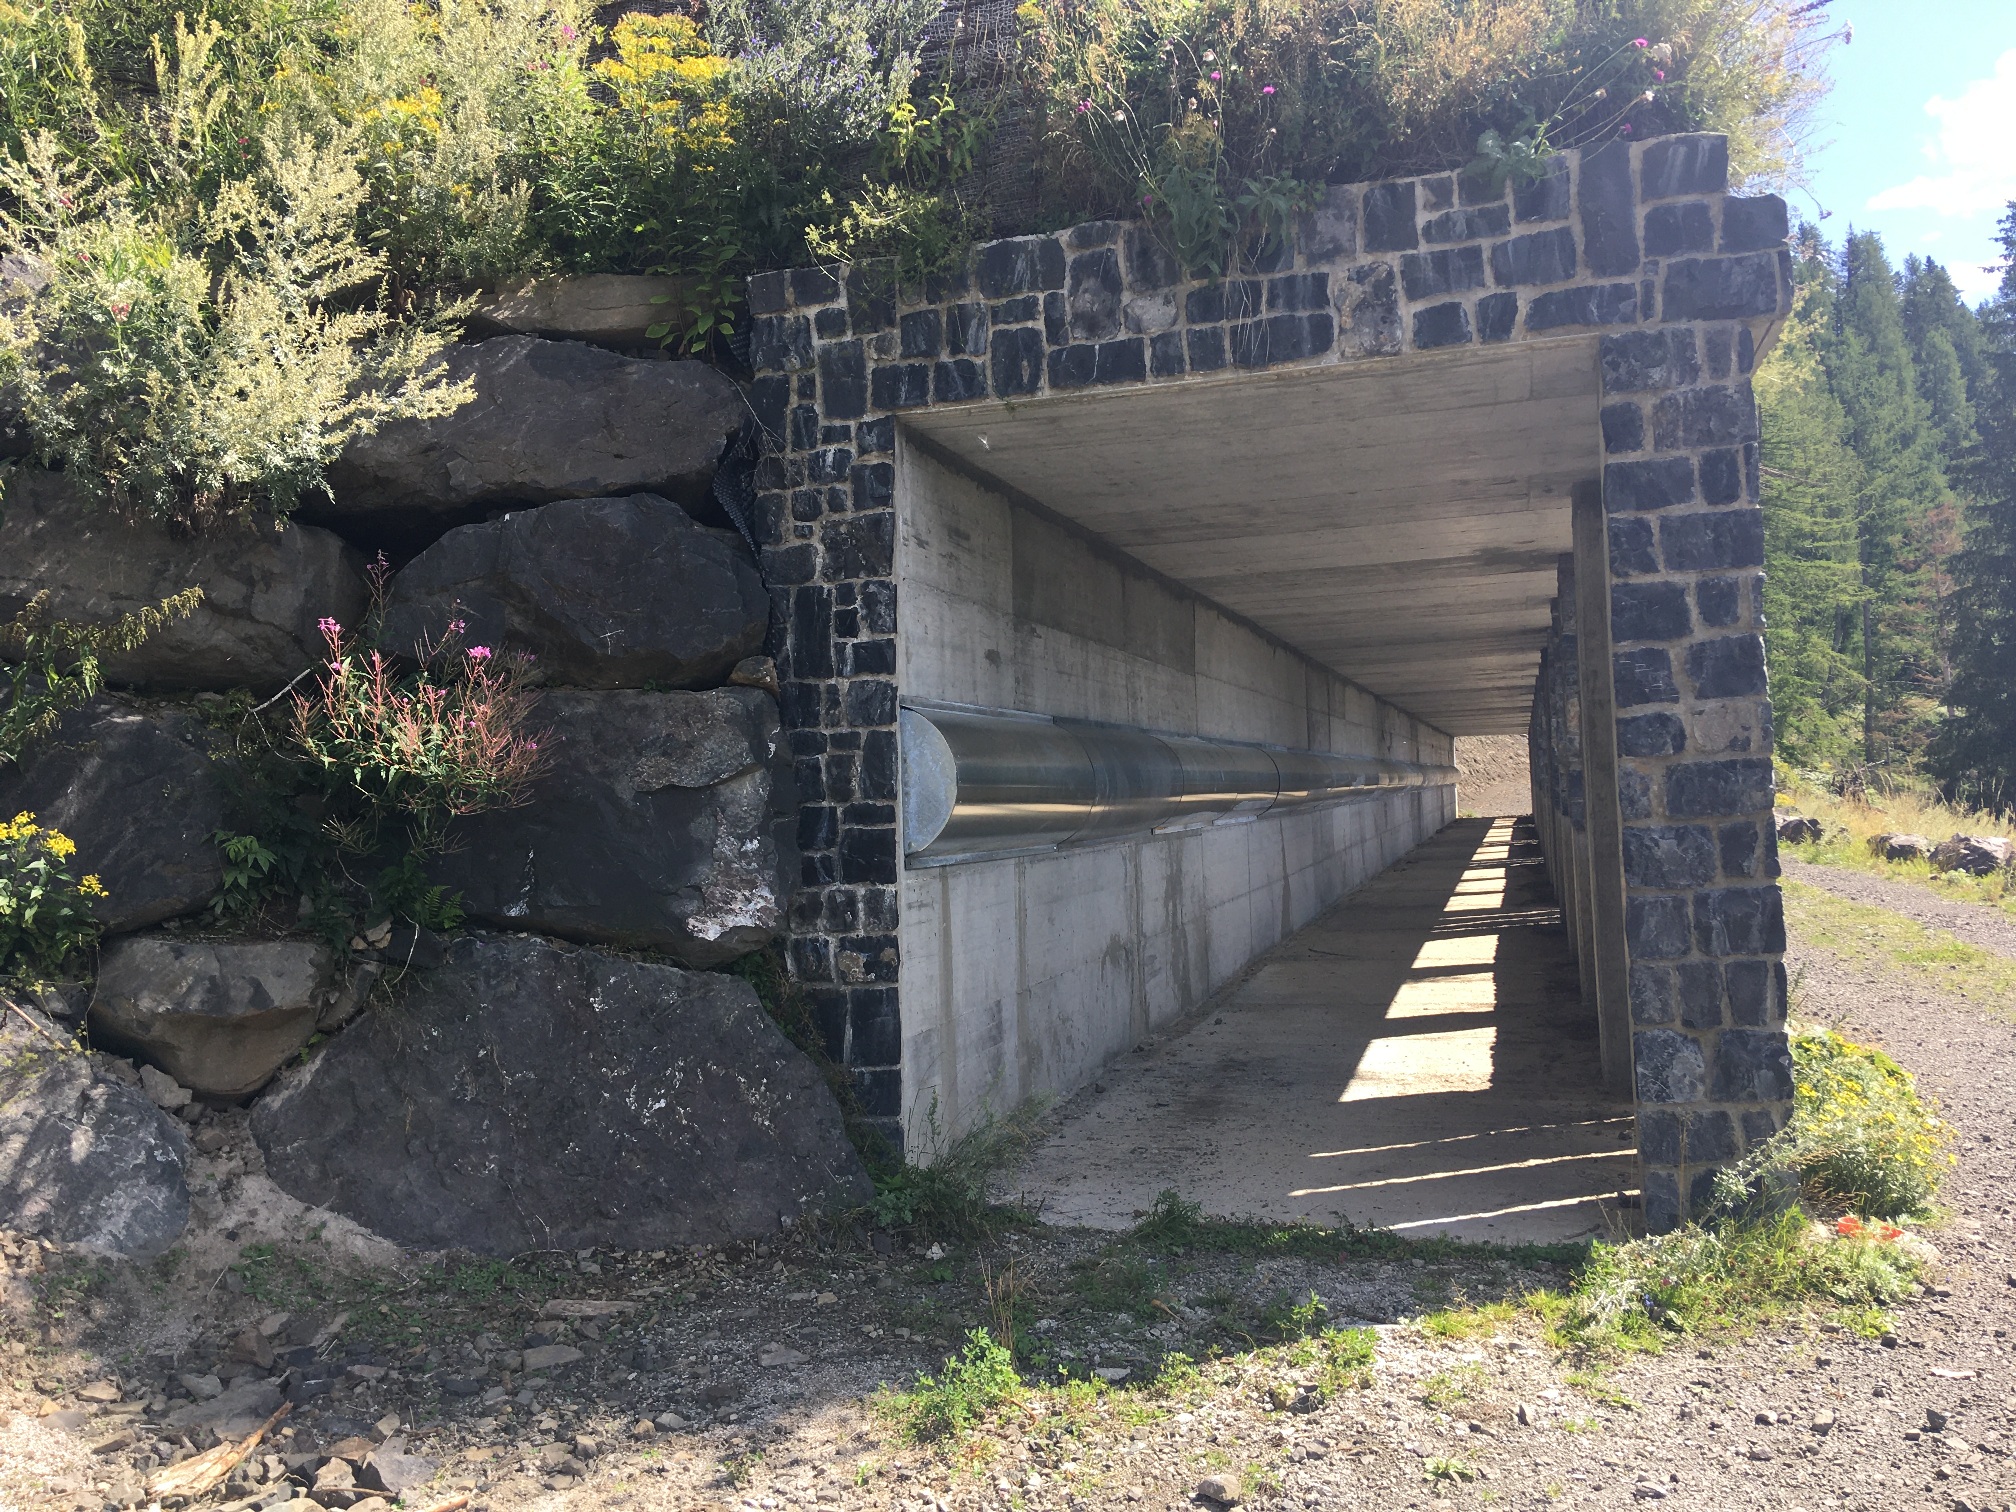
x=1023, y=976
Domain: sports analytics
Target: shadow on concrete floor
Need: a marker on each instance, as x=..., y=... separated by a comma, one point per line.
x=1417, y=1059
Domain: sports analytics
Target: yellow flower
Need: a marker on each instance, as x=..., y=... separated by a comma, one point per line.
x=58, y=844
x=91, y=887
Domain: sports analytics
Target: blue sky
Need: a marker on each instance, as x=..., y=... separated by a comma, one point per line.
x=1917, y=139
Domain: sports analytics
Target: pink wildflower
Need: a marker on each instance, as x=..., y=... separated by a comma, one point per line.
x=328, y=626
x=1640, y=42
x=567, y=33
x=479, y=653
x=1216, y=75
x=1083, y=106
x=1268, y=90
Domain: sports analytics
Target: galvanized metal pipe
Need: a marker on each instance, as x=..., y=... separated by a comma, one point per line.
x=980, y=783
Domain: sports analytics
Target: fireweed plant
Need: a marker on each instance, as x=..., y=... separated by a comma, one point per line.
x=400, y=754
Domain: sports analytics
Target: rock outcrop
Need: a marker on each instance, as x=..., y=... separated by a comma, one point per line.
x=606, y=593
x=531, y=1095
x=220, y=1016
x=138, y=793
x=1976, y=855
x=1900, y=847
x=549, y=420
x=265, y=585
x=664, y=821
x=1797, y=829
x=84, y=1159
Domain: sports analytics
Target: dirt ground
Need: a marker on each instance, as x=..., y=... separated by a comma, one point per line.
x=755, y=1378
x=1492, y=775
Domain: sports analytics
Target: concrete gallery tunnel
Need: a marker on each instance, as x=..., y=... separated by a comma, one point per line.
x=1129, y=620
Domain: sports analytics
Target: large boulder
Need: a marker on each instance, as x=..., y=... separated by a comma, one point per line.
x=1900, y=847
x=220, y=1016
x=84, y=1159
x=664, y=821
x=1798, y=829
x=1977, y=855
x=607, y=593
x=549, y=420
x=138, y=792
x=532, y=1095
x=265, y=585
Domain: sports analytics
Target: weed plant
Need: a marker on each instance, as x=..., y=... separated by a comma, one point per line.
x=45, y=910
x=50, y=666
x=949, y=1194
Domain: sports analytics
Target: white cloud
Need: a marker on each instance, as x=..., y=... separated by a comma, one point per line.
x=1974, y=167
x=1975, y=281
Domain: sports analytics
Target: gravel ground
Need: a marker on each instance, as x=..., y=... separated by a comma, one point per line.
x=1976, y=923
x=759, y=1365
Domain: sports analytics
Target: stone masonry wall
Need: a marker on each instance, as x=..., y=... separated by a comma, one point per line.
x=1638, y=243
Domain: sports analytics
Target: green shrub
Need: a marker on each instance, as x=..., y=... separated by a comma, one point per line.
x=947, y=1195
x=1861, y=1138
x=973, y=1383
x=48, y=666
x=45, y=912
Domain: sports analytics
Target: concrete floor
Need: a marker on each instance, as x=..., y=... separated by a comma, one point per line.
x=1417, y=1059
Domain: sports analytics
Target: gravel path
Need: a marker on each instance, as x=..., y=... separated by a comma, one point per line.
x=1976, y=923
x=1803, y=1416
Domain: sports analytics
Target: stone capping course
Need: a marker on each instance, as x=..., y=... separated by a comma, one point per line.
x=1639, y=243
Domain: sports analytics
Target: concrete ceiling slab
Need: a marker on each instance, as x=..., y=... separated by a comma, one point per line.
x=1398, y=520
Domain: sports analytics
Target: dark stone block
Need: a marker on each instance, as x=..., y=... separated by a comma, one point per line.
x=1722, y=476
x=1738, y=844
x=1752, y=1065
x=1699, y=986
x=868, y=855
x=1739, y=921
x=1724, y=415
x=1016, y=362
x=1441, y=325
x=1375, y=311
x=1631, y=552
x=779, y=342
x=1604, y=304
x=1651, y=735
x=966, y=330
x=1609, y=211
x=1655, y=611
x=1019, y=311
x=1746, y=350
x=818, y=869
x=1655, y=484
x=923, y=333
x=805, y=427
x=1673, y=229
x=875, y=435
x=1545, y=198
x=1697, y=163
x=1623, y=428
x=1656, y=928
x=1390, y=218
x=878, y=607
x=871, y=296
x=900, y=385
x=1439, y=192
x=1730, y=666
x=1207, y=349
x=818, y=824
x=1273, y=255
x=1279, y=338
x=1660, y=1201
x=1669, y=855
x=1760, y=1126
x=1750, y=997
x=1446, y=270
x=1497, y=316
x=1165, y=354
x=808, y=385
x=843, y=380
x=1539, y=257
x=828, y=464
x=1717, y=348
x=870, y=702
x=812, y=959
x=1122, y=361
x=1056, y=319
x=1661, y=1137
x=1711, y=1137
x=790, y=564
x=1095, y=295
x=880, y=908
x=836, y=435
x=769, y=398
x=1299, y=291
x=1672, y=1067
x=940, y=287
x=1479, y=189
x=829, y=324
x=814, y=286
x=875, y=1028
x=768, y=293
x=1469, y=225
x=872, y=658
x=1644, y=676
x=1710, y=542
x=1651, y=994
x=1019, y=265
x=859, y=546
x=959, y=379
x=1150, y=265
x=1073, y=366
x=877, y=775
x=1328, y=232
x=1718, y=601
x=1717, y=789
x=1636, y=362
x=879, y=1094
x=1721, y=288
x=1238, y=300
